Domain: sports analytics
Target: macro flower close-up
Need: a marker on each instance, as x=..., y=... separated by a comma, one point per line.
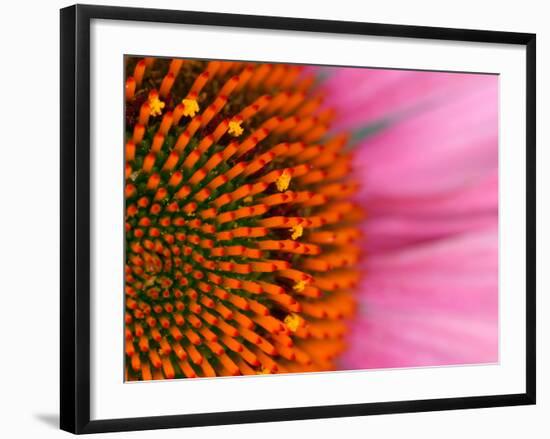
x=284, y=218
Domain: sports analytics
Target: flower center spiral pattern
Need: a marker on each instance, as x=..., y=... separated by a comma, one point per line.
x=240, y=254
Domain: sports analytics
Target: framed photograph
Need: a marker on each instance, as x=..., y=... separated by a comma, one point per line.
x=268, y=218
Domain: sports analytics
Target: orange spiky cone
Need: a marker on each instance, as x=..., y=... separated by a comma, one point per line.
x=240, y=247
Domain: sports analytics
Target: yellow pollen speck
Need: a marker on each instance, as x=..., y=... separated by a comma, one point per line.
x=248, y=199
x=156, y=106
x=235, y=128
x=191, y=107
x=283, y=181
x=263, y=371
x=293, y=321
x=297, y=231
x=299, y=286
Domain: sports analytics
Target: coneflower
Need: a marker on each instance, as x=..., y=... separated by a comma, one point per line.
x=240, y=234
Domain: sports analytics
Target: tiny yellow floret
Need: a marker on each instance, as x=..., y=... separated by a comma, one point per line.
x=235, y=128
x=299, y=286
x=191, y=107
x=283, y=181
x=263, y=371
x=156, y=106
x=293, y=321
x=297, y=231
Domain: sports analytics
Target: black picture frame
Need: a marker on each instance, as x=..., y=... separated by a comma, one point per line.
x=75, y=217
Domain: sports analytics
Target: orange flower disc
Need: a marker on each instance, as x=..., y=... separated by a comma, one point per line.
x=241, y=247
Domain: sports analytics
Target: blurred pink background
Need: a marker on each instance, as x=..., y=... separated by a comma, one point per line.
x=429, y=184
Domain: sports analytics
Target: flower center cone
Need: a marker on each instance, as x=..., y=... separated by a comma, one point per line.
x=241, y=253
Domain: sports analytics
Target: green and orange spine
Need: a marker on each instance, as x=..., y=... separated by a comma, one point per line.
x=241, y=254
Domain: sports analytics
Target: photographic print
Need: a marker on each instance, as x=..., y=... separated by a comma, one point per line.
x=348, y=220
x=285, y=218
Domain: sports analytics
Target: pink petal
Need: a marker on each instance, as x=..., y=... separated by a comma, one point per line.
x=435, y=151
x=430, y=304
x=362, y=95
x=395, y=222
